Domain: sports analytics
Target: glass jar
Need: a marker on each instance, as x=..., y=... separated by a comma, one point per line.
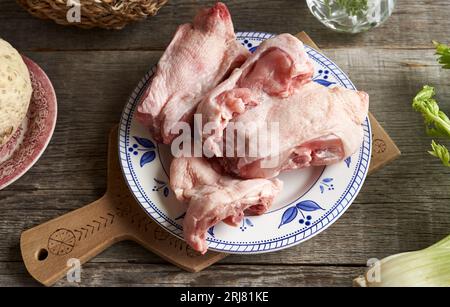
x=351, y=16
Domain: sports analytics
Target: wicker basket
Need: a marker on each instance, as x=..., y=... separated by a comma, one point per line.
x=108, y=14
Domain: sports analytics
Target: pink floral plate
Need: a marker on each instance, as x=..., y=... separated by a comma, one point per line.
x=28, y=143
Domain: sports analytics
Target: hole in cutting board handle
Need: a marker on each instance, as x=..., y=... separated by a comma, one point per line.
x=42, y=254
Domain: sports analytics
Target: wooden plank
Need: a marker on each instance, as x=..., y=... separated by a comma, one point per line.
x=413, y=25
x=360, y=234
x=131, y=274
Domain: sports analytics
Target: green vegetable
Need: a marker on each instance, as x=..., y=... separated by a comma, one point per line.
x=427, y=268
x=441, y=152
x=444, y=54
x=437, y=124
x=351, y=7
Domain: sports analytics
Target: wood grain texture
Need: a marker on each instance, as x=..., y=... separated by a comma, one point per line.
x=404, y=206
x=145, y=274
x=413, y=25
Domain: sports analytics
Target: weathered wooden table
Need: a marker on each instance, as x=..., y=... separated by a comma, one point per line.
x=405, y=206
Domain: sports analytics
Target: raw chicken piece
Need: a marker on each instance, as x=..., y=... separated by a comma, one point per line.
x=213, y=197
x=276, y=69
x=200, y=56
x=317, y=125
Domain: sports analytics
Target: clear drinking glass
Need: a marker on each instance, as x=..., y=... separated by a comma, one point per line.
x=351, y=16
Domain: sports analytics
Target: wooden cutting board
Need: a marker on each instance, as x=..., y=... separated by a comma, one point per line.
x=84, y=233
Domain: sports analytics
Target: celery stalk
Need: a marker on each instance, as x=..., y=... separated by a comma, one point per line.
x=429, y=267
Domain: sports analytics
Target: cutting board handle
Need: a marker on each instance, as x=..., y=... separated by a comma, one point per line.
x=51, y=249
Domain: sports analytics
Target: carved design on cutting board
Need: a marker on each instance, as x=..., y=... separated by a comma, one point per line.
x=123, y=210
x=177, y=244
x=61, y=242
x=379, y=146
x=160, y=234
x=95, y=226
x=141, y=220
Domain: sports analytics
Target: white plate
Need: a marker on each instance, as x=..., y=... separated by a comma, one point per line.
x=312, y=199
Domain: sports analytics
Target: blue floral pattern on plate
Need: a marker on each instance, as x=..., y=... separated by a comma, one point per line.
x=325, y=184
x=348, y=161
x=322, y=77
x=161, y=186
x=291, y=213
x=246, y=224
x=147, y=147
